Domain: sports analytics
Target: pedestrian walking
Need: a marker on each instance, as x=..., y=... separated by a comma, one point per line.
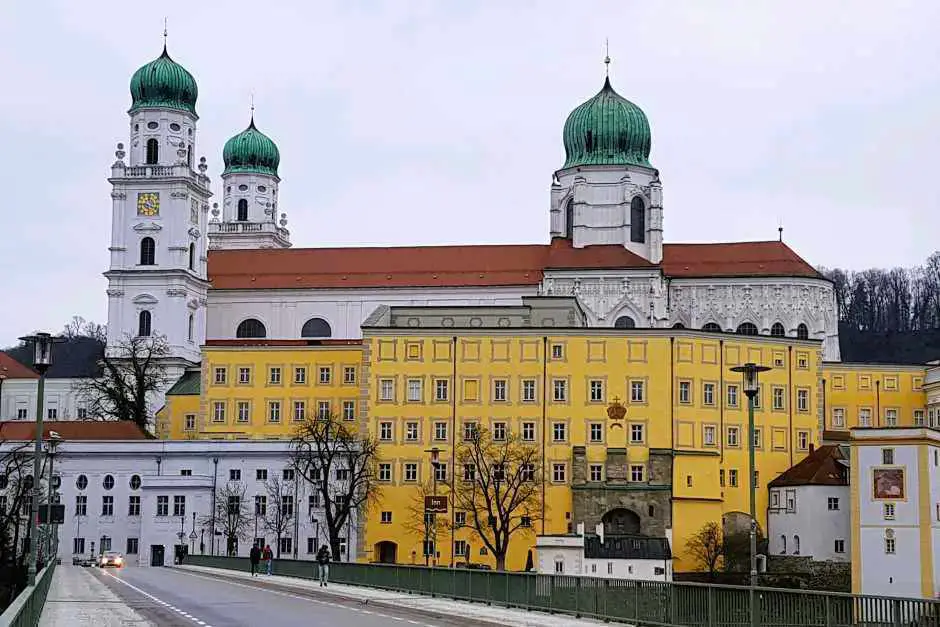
x=254, y=556
x=268, y=557
x=323, y=560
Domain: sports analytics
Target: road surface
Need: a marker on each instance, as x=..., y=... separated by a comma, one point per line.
x=169, y=597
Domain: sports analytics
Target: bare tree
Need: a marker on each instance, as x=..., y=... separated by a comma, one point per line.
x=131, y=374
x=281, y=509
x=707, y=547
x=428, y=526
x=499, y=487
x=340, y=464
x=231, y=515
x=79, y=327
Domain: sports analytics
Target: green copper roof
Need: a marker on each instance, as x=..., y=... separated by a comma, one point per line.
x=187, y=385
x=164, y=83
x=608, y=129
x=251, y=151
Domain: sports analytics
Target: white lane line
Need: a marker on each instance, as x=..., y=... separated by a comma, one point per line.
x=160, y=601
x=296, y=596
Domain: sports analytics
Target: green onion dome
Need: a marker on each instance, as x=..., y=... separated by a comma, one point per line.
x=608, y=129
x=164, y=83
x=251, y=151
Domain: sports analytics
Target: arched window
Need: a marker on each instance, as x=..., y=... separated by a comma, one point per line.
x=796, y=545
x=144, y=321
x=678, y=325
x=316, y=327
x=712, y=327
x=783, y=545
x=747, y=328
x=189, y=155
x=242, y=210
x=777, y=330
x=624, y=322
x=569, y=219
x=637, y=220
x=192, y=256
x=153, y=151
x=802, y=332
x=251, y=328
x=192, y=324
x=148, y=251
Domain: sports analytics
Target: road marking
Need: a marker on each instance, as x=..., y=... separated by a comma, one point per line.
x=296, y=596
x=160, y=601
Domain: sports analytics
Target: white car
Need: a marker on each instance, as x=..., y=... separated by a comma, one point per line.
x=111, y=559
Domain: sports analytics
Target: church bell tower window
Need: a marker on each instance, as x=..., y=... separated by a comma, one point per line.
x=153, y=151
x=569, y=219
x=242, y=210
x=637, y=220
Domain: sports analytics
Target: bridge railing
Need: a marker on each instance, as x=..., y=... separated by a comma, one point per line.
x=27, y=606
x=653, y=603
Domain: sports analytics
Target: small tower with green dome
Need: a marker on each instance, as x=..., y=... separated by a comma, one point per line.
x=606, y=191
x=249, y=215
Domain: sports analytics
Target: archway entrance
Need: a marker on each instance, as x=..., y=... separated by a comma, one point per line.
x=621, y=521
x=386, y=552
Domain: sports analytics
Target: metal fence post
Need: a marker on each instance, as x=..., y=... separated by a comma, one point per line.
x=710, y=605
x=752, y=600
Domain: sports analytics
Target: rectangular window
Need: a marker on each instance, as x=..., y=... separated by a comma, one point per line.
x=325, y=375
x=186, y=472
x=833, y=503
x=22, y=413
x=708, y=435
x=597, y=391
x=385, y=472
x=244, y=411
x=133, y=546
x=887, y=510
x=414, y=390
x=891, y=417
x=708, y=393
x=528, y=390
x=757, y=437
x=440, y=472
x=81, y=505
x=636, y=434
x=733, y=436
x=274, y=411
x=890, y=546
x=179, y=506
x=559, y=432
x=791, y=501
x=411, y=472
x=499, y=391
x=286, y=545
x=685, y=392
x=107, y=506
x=300, y=411
x=469, y=472
x=864, y=417
x=274, y=375
x=313, y=503
x=287, y=505
x=52, y=413
x=235, y=474
x=349, y=410
x=300, y=374
x=528, y=432
x=469, y=430
x=386, y=518
x=558, y=473
x=918, y=417
x=499, y=431
x=244, y=376
x=596, y=471
x=757, y=397
x=597, y=432
x=802, y=361
x=82, y=413
x=412, y=434
x=460, y=548
x=778, y=398
x=78, y=546
x=637, y=392
x=440, y=431
x=133, y=506
x=323, y=410
x=387, y=390
x=802, y=400
x=838, y=417
x=636, y=472
x=261, y=474
x=460, y=518
x=385, y=431
x=775, y=499
x=349, y=375
x=558, y=351
x=887, y=456
x=732, y=396
x=733, y=478
x=802, y=440
x=559, y=390
x=839, y=546
x=218, y=411
x=221, y=374
x=163, y=506
x=441, y=390
x=189, y=422
x=721, y=477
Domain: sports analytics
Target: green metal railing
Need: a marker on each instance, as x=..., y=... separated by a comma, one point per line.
x=636, y=602
x=27, y=606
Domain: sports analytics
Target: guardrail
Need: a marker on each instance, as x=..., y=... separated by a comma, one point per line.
x=27, y=606
x=620, y=600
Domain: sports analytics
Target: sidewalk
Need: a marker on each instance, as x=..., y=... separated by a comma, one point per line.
x=425, y=604
x=77, y=599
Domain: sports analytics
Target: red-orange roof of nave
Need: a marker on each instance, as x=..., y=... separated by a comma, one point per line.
x=484, y=265
x=72, y=430
x=12, y=369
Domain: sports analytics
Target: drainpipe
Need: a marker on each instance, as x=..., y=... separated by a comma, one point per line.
x=453, y=450
x=215, y=477
x=544, y=418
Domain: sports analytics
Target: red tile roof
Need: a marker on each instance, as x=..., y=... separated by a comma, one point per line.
x=12, y=369
x=821, y=467
x=483, y=265
x=73, y=430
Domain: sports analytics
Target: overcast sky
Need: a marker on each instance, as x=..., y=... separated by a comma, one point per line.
x=420, y=122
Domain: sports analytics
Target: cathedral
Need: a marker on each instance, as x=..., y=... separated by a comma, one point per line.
x=193, y=270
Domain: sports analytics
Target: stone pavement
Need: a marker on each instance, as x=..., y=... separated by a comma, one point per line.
x=77, y=599
x=433, y=605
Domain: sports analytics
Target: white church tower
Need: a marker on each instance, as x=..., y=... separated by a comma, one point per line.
x=249, y=215
x=157, y=281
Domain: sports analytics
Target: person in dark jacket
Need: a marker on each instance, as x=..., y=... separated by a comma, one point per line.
x=254, y=556
x=323, y=561
x=268, y=556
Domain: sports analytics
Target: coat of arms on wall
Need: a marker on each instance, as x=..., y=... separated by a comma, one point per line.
x=616, y=411
x=888, y=483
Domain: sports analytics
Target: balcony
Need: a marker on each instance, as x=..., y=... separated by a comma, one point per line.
x=247, y=227
x=119, y=170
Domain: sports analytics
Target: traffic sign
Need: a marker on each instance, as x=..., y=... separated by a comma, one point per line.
x=435, y=504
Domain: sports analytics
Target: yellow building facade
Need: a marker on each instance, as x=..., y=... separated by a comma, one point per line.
x=873, y=395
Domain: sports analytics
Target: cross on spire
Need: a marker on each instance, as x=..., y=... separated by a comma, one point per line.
x=607, y=56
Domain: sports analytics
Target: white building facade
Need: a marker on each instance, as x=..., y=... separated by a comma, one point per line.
x=611, y=557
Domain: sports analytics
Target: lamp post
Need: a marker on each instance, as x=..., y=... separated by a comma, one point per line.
x=192, y=536
x=750, y=371
x=42, y=359
x=52, y=443
x=435, y=462
x=3, y=377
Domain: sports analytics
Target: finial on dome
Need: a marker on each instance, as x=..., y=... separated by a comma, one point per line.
x=607, y=57
x=164, y=35
x=252, y=106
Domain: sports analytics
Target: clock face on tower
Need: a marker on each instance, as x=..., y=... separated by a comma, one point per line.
x=148, y=204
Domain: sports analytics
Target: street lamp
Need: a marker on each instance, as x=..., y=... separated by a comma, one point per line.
x=42, y=360
x=435, y=462
x=192, y=536
x=750, y=371
x=52, y=443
